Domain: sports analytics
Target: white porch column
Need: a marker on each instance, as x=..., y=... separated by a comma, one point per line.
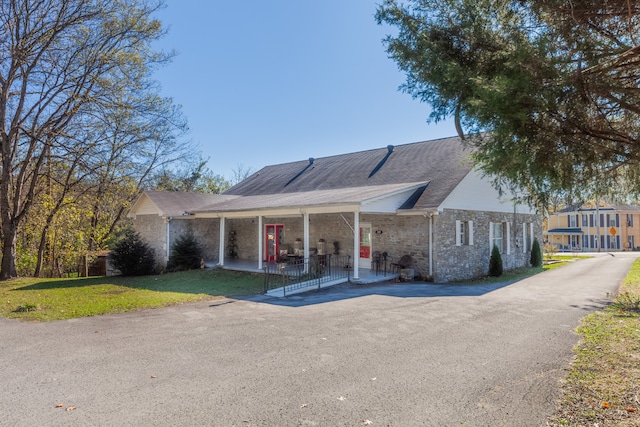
x=168, y=239
x=260, y=243
x=306, y=241
x=356, y=245
x=221, y=247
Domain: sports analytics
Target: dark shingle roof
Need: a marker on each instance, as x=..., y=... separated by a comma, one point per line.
x=442, y=163
x=175, y=203
x=566, y=230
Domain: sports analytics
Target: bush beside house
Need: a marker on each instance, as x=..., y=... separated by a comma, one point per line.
x=495, y=263
x=132, y=255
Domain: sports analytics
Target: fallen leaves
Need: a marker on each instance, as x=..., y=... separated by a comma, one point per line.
x=68, y=408
x=342, y=398
x=630, y=409
x=605, y=405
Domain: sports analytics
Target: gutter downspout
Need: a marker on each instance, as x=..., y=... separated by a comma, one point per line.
x=431, y=246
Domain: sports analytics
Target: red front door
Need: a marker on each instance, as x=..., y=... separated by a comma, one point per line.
x=273, y=235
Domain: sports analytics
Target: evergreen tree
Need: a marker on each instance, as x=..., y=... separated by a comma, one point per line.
x=495, y=263
x=536, y=254
x=186, y=253
x=132, y=255
x=546, y=91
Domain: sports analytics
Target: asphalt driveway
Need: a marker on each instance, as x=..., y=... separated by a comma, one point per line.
x=390, y=355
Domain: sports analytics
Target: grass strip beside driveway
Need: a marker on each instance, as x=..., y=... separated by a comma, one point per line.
x=603, y=386
x=56, y=299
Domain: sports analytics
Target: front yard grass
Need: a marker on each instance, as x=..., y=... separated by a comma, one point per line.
x=550, y=262
x=603, y=385
x=56, y=299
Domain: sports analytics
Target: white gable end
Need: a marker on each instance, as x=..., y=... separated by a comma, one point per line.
x=475, y=192
x=144, y=206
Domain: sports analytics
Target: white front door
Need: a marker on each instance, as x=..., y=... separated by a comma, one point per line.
x=365, y=245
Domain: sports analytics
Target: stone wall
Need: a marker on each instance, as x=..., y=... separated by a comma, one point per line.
x=205, y=230
x=152, y=229
x=455, y=263
x=396, y=235
x=401, y=235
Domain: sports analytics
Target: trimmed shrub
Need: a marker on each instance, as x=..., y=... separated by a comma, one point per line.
x=186, y=253
x=495, y=263
x=132, y=255
x=536, y=254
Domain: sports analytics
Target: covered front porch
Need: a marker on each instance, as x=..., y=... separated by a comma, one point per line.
x=565, y=239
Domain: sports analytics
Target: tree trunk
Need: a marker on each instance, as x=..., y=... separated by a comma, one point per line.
x=8, y=269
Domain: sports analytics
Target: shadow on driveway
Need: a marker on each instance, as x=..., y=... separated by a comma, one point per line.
x=392, y=289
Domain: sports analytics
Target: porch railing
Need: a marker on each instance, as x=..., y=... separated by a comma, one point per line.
x=298, y=273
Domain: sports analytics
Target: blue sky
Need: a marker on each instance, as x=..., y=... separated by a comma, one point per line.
x=265, y=82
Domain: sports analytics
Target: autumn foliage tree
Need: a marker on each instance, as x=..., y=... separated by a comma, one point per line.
x=81, y=123
x=546, y=91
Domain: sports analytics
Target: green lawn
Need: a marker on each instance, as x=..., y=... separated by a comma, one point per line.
x=603, y=386
x=55, y=299
x=521, y=273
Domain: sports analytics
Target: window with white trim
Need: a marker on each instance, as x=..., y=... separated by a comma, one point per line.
x=573, y=221
x=527, y=236
x=464, y=233
x=497, y=235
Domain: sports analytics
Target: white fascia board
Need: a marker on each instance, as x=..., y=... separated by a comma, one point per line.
x=475, y=193
x=414, y=212
x=281, y=212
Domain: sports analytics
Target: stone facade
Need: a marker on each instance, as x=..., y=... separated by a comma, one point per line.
x=153, y=229
x=395, y=234
x=463, y=262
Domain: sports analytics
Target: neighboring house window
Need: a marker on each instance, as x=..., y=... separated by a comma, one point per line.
x=573, y=221
x=464, y=233
x=630, y=221
x=585, y=220
x=613, y=242
x=575, y=242
x=631, y=243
